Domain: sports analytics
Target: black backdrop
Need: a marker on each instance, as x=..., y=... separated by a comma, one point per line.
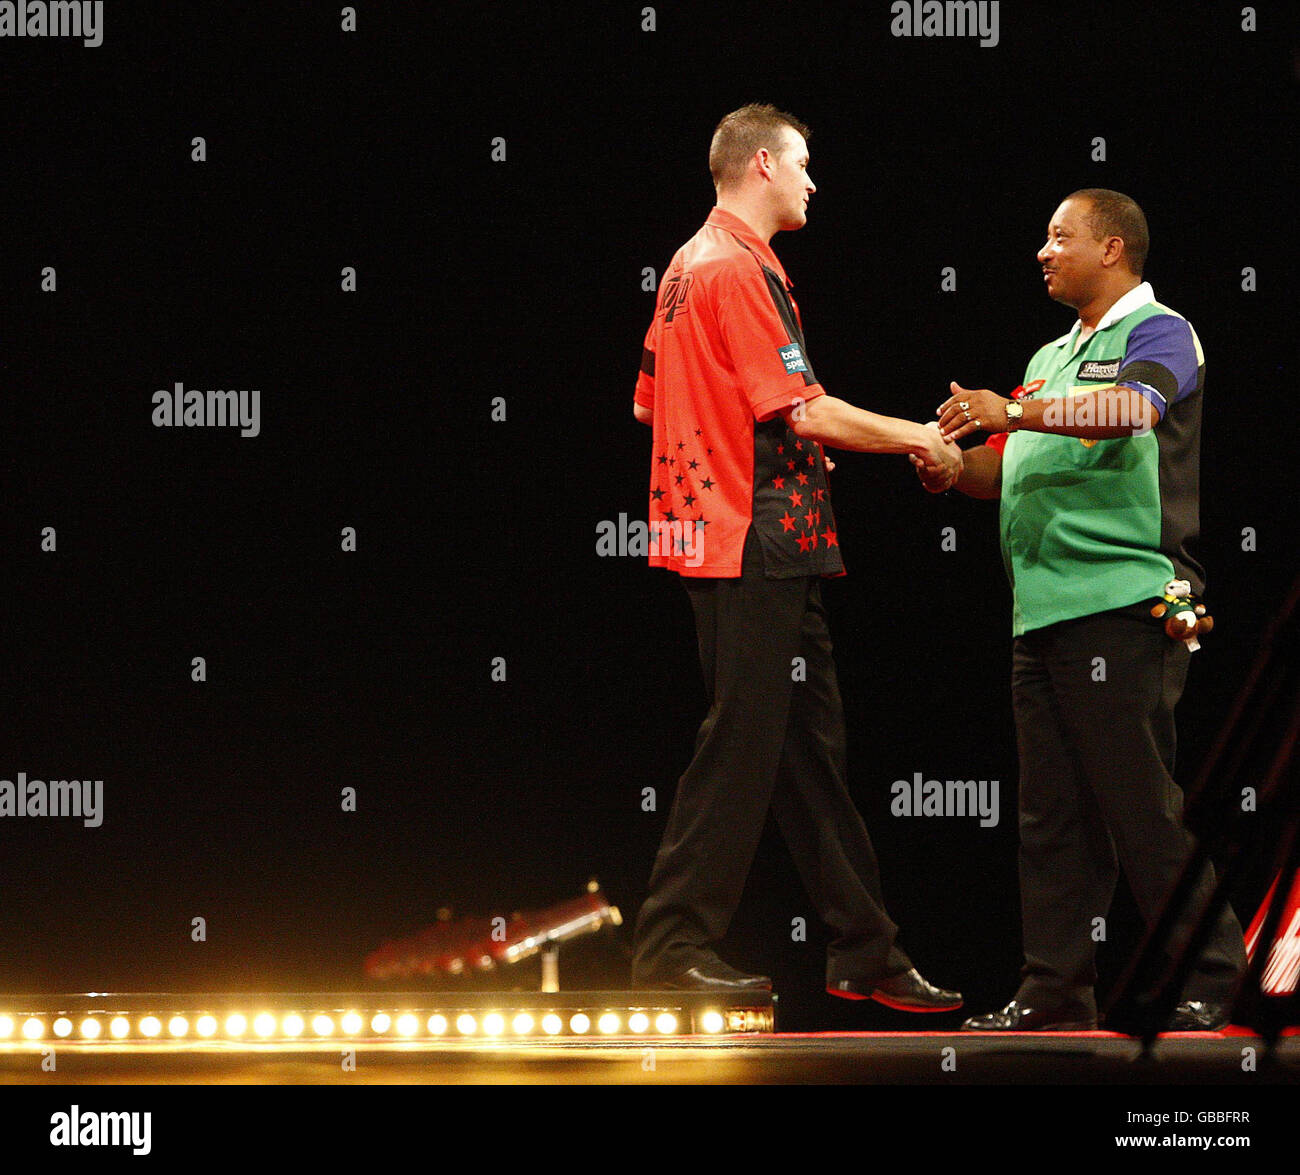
x=476, y=538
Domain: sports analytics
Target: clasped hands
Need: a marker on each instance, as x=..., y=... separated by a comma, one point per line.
x=964, y=412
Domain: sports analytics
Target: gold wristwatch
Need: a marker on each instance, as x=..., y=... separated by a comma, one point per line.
x=1015, y=410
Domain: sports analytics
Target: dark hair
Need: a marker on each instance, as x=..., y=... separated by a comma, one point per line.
x=741, y=133
x=1116, y=215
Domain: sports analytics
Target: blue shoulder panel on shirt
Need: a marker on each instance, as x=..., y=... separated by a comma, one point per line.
x=1165, y=339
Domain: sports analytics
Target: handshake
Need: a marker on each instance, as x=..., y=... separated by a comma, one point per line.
x=938, y=460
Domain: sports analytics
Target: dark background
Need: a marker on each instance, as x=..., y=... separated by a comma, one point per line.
x=476, y=539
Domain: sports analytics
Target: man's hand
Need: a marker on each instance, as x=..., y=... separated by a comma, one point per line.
x=966, y=411
x=941, y=465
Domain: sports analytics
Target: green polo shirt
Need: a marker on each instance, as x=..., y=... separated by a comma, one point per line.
x=1087, y=526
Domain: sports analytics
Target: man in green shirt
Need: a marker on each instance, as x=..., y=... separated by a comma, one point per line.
x=1095, y=461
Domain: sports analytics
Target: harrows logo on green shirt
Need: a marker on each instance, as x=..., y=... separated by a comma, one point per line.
x=1098, y=369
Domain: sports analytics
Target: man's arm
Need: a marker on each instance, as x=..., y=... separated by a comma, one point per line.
x=981, y=476
x=643, y=414
x=1095, y=416
x=838, y=423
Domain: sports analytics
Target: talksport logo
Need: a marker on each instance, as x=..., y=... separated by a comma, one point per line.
x=792, y=356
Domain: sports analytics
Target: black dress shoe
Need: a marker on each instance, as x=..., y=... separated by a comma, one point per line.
x=908, y=992
x=713, y=975
x=1018, y=1017
x=1198, y=1016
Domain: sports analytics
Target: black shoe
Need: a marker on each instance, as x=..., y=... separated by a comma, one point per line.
x=1198, y=1016
x=908, y=992
x=711, y=975
x=1018, y=1017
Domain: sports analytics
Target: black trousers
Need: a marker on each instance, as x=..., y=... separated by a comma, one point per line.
x=1097, y=793
x=768, y=740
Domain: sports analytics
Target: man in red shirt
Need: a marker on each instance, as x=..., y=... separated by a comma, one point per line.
x=741, y=509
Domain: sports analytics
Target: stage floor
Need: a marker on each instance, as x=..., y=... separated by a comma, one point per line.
x=884, y=1058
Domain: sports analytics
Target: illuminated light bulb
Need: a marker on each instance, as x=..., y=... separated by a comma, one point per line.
x=351, y=1023
x=579, y=1022
x=638, y=1022
x=437, y=1024
x=322, y=1025
x=91, y=1028
x=150, y=1026
x=381, y=1022
x=236, y=1024
x=711, y=1022
x=264, y=1024
x=33, y=1029
x=62, y=1026
x=119, y=1027
x=522, y=1024
x=408, y=1024
x=292, y=1025
x=178, y=1026
x=6, y=1027
x=494, y=1024
x=665, y=1023
x=552, y=1025
x=206, y=1026
x=608, y=1023
x=466, y=1024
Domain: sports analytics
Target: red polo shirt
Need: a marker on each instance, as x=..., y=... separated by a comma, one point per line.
x=723, y=357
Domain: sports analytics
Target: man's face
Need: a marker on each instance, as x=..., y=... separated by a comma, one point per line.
x=791, y=186
x=1071, y=259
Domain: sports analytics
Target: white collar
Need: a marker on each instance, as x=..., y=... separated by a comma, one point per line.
x=1139, y=295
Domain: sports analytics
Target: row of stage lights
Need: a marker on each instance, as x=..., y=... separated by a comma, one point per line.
x=271, y=1028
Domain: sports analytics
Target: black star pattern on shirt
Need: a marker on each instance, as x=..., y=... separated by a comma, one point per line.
x=672, y=504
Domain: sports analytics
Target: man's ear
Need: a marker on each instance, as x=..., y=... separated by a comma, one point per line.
x=1113, y=254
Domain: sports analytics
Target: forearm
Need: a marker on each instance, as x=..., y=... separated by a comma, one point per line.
x=981, y=475
x=839, y=424
x=1094, y=416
